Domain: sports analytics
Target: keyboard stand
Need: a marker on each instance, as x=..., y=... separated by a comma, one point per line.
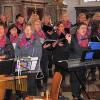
x=83, y=85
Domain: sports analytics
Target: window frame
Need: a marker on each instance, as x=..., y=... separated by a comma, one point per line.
x=91, y=1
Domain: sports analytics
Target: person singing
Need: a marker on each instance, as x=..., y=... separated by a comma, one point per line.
x=6, y=48
x=28, y=46
x=79, y=45
x=61, y=50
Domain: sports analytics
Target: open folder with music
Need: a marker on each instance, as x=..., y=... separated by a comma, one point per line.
x=50, y=41
x=27, y=64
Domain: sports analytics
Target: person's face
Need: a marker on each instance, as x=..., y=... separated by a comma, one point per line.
x=13, y=31
x=28, y=31
x=46, y=20
x=65, y=17
x=2, y=33
x=82, y=18
x=3, y=19
x=82, y=30
x=20, y=20
x=37, y=26
x=61, y=28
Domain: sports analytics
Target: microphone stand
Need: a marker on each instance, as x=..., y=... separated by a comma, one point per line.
x=18, y=94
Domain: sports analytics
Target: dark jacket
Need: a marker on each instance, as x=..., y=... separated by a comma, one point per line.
x=61, y=52
x=34, y=50
x=47, y=28
x=8, y=50
x=76, y=50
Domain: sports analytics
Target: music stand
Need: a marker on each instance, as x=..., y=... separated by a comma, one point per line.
x=87, y=55
x=94, y=45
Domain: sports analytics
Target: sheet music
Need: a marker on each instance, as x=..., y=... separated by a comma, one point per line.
x=34, y=62
x=29, y=63
x=34, y=58
x=14, y=45
x=33, y=66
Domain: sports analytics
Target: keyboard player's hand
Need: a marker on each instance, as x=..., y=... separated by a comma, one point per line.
x=68, y=38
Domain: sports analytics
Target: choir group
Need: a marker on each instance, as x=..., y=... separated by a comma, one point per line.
x=50, y=42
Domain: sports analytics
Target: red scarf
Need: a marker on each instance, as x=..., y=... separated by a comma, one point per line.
x=24, y=42
x=13, y=39
x=2, y=41
x=82, y=43
x=6, y=30
x=19, y=26
x=41, y=34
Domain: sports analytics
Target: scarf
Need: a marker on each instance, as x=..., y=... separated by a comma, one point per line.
x=41, y=34
x=19, y=26
x=13, y=39
x=2, y=41
x=6, y=30
x=25, y=42
x=82, y=43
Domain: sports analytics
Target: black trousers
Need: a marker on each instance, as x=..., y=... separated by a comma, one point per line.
x=75, y=81
x=62, y=68
x=60, y=53
x=31, y=84
x=44, y=64
x=50, y=62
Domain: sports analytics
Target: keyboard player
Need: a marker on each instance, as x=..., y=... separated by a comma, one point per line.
x=79, y=44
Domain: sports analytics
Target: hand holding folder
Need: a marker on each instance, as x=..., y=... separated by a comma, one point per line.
x=54, y=43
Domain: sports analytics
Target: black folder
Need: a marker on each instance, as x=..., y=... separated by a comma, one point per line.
x=49, y=41
x=7, y=67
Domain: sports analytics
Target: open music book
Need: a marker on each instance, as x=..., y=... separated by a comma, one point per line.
x=49, y=41
x=52, y=41
x=28, y=63
x=34, y=63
